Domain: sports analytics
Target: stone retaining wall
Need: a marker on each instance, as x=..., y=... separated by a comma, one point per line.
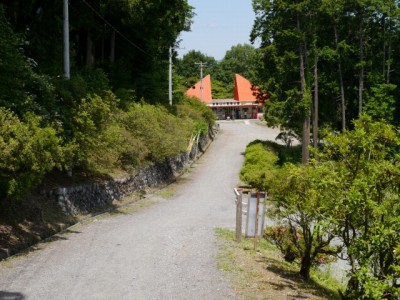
x=84, y=198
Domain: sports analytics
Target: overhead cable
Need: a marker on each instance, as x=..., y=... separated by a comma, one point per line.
x=116, y=30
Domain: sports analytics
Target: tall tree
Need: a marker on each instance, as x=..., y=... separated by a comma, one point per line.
x=285, y=36
x=189, y=70
x=354, y=41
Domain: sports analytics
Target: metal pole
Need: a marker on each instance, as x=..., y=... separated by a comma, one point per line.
x=201, y=82
x=201, y=64
x=66, y=40
x=170, y=77
x=256, y=232
x=239, y=205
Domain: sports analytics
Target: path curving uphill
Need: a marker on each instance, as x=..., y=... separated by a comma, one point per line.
x=164, y=251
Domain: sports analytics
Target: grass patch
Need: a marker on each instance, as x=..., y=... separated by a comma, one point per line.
x=263, y=274
x=166, y=193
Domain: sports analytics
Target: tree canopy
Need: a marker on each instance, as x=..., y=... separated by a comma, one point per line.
x=241, y=59
x=101, y=119
x=350, y=194
x=329, y=61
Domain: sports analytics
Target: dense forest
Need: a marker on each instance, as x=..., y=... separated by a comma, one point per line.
x=111, y=113
x=326, y=62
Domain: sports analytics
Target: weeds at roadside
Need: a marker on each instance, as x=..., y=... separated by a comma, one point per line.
x=263, y=274
x=166, y=193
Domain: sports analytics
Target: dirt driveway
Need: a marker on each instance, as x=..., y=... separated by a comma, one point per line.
x=164, y=251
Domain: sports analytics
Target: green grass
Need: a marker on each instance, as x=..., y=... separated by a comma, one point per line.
x=166, y=193
x=263, y=274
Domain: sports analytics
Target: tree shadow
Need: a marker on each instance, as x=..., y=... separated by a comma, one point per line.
x=4, y=295
x=61, y=236
x=291, y=279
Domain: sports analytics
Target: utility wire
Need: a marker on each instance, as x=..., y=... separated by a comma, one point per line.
x=116, y=30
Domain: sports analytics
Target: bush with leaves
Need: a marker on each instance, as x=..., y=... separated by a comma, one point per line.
x=302, y=234
x=298, y=194
x=100, y=142
x=259, y=165
x=198, y=112
x=351, y=193
x=365, y=205
x=21, y=89
x=164, y=134
x=27, y=152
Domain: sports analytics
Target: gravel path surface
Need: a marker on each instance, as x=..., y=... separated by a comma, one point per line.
x=165, y=251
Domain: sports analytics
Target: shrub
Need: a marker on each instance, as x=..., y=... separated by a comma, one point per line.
x=164, y=134
x=27, y=152
x=202, y=115
x=259, y=165
x=98, y=141
x=21, y=89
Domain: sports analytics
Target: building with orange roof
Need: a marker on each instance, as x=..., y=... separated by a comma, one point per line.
x=201, y=90
x=245, y=104
x=244, y=90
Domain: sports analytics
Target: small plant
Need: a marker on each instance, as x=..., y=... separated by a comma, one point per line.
x=281, y=237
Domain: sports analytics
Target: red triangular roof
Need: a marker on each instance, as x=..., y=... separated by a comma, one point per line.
x=244, y=90
x=195, y=90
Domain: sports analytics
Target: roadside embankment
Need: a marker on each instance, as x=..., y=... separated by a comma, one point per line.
x=56, y=207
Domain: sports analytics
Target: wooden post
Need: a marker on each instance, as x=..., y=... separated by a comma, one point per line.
x=239, y=193
x=256, y=231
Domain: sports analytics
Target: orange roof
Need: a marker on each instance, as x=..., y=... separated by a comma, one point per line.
x=244, y=90
x=195, y=90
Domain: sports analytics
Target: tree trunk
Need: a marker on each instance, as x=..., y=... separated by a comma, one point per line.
x=112, y=47
x=342, y=96
x=102, y=50
x=305, y=152
x=316, y=103
x=361, y=80
x=306, y=260
x=305, y=266
x=384, y=46
x=89, y=50
x=389, y=54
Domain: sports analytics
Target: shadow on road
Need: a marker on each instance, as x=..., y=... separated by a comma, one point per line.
x=11, y=296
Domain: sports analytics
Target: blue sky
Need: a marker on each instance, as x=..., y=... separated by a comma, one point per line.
x=218, y=25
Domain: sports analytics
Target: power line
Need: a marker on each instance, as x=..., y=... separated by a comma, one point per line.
x=116, y=30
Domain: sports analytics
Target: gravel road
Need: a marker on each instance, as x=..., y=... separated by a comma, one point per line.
x=164, y=251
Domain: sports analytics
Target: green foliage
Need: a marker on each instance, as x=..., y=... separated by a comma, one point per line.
x=198, y=112
x=241, y=59
x=89, y=122
x=126, y=97
x=221, y=90
x=149, y=28
x=259, y=165
x=27, y=152
x=364, y=204
x=21, y=89
x=163, y=134
x=263, y=159
x=79, y=123
x=349, y=44
x=351, y=193
x=298, y=193
x=282, y=237
x=380, y=102
x=187, y=67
